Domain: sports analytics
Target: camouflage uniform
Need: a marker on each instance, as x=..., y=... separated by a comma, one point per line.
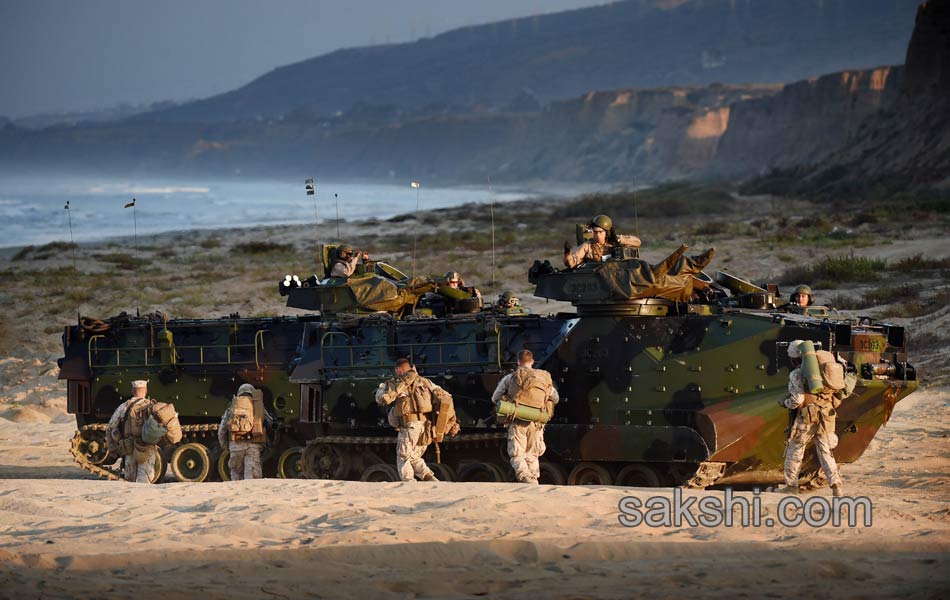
x=591, y=252
x=244, y=456
x=815, y=419
x=138, y=458
x=344, y=267
x=406, y=393
x=525, y=439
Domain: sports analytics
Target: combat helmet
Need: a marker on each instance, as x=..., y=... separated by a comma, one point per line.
x=452, y=276
x=508, y=299
x=602, y=221
x=802, y=289
x=246, y=389
x=344, y=249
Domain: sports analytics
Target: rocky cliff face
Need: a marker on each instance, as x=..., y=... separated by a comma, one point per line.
x=804, y=123
x=907, y=143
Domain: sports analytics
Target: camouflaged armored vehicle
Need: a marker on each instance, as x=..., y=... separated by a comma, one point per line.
x=666, y=375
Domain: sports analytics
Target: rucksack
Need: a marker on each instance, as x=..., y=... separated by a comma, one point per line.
x=832, y=372
x=529, y=387
x=241, y=421
x=135, y=417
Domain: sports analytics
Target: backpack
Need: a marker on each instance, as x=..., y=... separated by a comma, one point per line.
x=135, y=416
x=241, y=421
x=166, y=419
x=529, y=387
x=832, y=372
x=246, y=418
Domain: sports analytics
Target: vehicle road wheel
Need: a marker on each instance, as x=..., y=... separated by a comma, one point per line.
x=481, y=472
x=588, y=473
x=191, y=462
x=443, y=472
x=552, y=473
x=224, y=471
x=161, y=466
x=638, y=475
x=380, y=472
x=289, y=465
x=325, y=461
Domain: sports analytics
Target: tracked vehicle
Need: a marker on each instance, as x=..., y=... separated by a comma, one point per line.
x=666, y=376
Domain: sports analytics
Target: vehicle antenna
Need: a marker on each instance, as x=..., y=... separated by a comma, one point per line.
x=415, y=230
x=491, y=207
x=72, y=244
x=636, y=217
x=337, y=197
x=312, y=191
x=135, y=246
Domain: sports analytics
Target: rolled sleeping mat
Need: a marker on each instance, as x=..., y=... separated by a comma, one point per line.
x=525, y=413
x=811, y=369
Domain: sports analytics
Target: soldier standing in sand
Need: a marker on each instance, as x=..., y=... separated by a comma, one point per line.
x=530, y=387
x=412, y=397
x=136, y=428
x=241, y=431
x=815, y=419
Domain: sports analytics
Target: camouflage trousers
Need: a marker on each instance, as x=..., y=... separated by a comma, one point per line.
x=823, y=432
x=525, y=447
x=244, y=460
x=409, y=453
x=139, y=467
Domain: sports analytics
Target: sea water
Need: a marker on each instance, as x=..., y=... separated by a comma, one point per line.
x=32, y=208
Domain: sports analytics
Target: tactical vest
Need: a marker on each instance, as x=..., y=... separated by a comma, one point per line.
x=246, y=419
x=414, y=400
x=529, y=387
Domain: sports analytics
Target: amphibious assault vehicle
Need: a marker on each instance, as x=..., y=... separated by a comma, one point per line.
x=666, y=376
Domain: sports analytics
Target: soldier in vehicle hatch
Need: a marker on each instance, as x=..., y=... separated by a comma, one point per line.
x=605, y=243
x=344, y=266
x=801, y=296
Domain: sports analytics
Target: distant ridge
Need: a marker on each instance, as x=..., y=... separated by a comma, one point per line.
x=631, y=44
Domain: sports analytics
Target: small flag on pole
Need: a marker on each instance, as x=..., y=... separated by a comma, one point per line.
x=130, y=204
x=311, y=189
x=415, y=185
x=67, y=205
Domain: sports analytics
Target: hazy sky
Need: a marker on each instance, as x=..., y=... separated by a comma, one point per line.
x=81, y=54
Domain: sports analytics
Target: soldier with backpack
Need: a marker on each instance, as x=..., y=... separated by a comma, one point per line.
x=530, y=387
x=241, y=431
x=136, y=429
x=815, y=413
x=422, y=412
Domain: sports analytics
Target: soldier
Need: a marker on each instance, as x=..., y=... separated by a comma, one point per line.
x=802, y=296
x=814, y=418
x=241, y=431
x=345, y=265
x=603, y=244
x=510, y=305
x=136, y=428
x=412, y=397
x=454, y=281
x=531, y=387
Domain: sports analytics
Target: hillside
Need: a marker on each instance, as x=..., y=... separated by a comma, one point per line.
x=632, y=44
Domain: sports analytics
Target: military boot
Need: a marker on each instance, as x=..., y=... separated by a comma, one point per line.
x=430, y=477
x=837, y=490
x=787, y=489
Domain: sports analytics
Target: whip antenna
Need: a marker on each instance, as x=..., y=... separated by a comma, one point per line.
x=491, y=207
x=415, y=230
x=337, y=197
x=312, y=191
x=69, y=217
x=636, y=217
x=135, y=246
